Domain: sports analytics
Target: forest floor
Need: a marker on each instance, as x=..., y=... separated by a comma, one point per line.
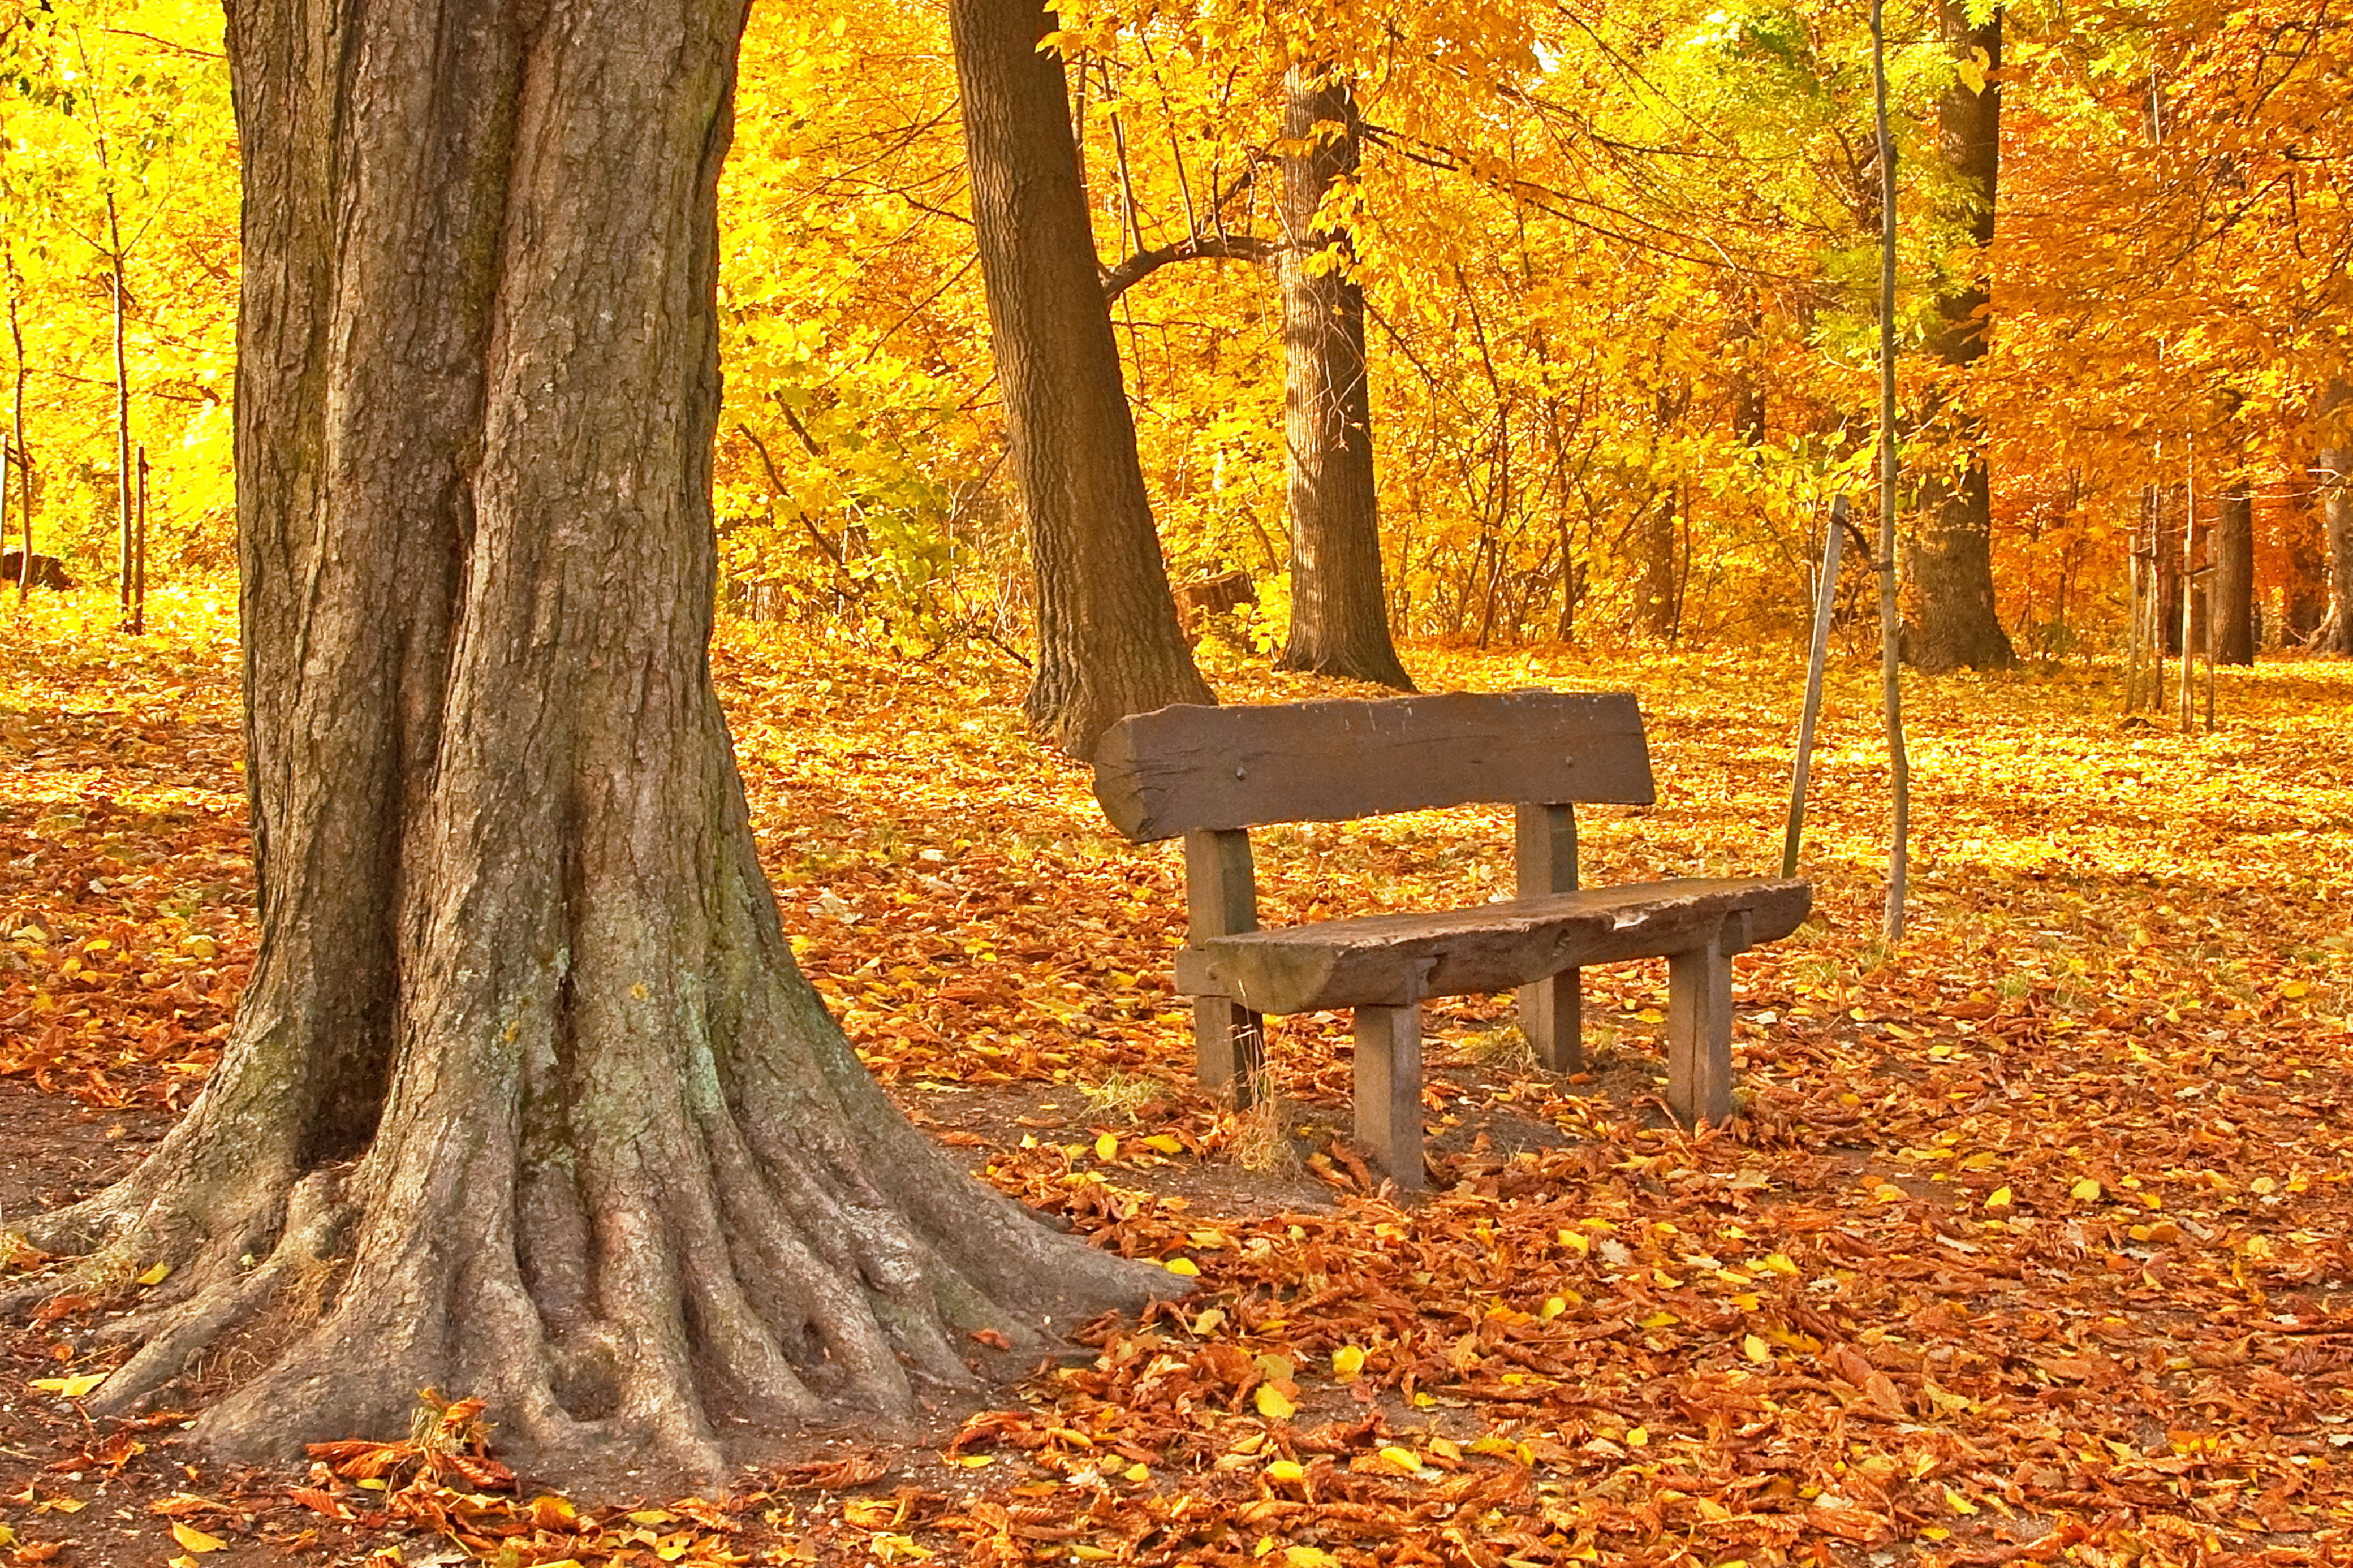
x=2031, y=1246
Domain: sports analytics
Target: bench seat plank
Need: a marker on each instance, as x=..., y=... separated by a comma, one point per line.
x=1394, y=961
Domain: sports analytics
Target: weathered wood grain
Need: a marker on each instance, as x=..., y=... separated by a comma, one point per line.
x=1389, y=1091
x=1182, y=768
x=1389, y=961
x=1552, y=1010
x=1221, y=899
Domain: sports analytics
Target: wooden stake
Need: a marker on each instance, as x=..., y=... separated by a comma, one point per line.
x=1817, y=657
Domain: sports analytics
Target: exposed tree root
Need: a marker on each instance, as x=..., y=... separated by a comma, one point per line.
x=742, y=1261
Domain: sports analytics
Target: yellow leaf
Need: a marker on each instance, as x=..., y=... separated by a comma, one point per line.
x=157, y=1275
x=1999, y=1198
x=974, y=1461
x=183, y=1561
x=1106, y=1147
x=1309, y=1557
x=1139, y=1471
x=2294, y=989
x=1184, y=1266
x=1638, y=1436
x=196, y=1540
x=1577, y=1241
x=1756, y=1349
x=2085, y=1190
x=1405, y=1459
x=1286, y=1470
x=71, y=1387
x=1164, y=1143
x=1779, y=1264
x=1660, y=1319
x=1272, y=1404
x=1553, y=1307
x=1347, y=1361
x=1959, y=1503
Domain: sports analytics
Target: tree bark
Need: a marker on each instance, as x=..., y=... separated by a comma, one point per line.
x=525, y=1096
x=2336, y=474
x=1339, y=611
x=2335, y=633
x=1108, y=640
x=1950, y=562
x=2232, y=603
x=2303, y=602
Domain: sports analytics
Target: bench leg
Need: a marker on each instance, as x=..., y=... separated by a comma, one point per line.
x=1229, y=1048
x=1552, y=1015
x=1389, y=1091
x=1699, y=1034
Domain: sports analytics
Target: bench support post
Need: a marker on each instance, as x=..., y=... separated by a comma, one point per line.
x=1389, y=1091
x=1551, y=1010
x=1221, y=899
x=1699, y=1033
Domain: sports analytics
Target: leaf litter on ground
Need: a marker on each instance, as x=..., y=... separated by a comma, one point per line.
x=2030, y=1247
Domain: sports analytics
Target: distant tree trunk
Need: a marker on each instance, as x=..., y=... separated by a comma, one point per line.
x=525, y=1096
x=1950, y=562
x=2335, y=633
x=2303, y=602
x=1657, y=604
x=1108, y=640
x=1339, y=611
x=1654, y=582
x=17, y=431
x=2232, y=603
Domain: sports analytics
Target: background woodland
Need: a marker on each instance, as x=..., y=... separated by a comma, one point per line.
x=1617, y=269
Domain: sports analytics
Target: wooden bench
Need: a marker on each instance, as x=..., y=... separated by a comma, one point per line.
x=1213, y=773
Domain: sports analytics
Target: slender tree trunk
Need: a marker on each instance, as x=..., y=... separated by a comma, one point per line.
x=1108, y=640
x=1950, y=562
x=12, y=447
x=2335, y=475
x=1339, y=611
x=2303, y=602
x=1891, y=666
x=525, y=1096
x=23, y=470
x=121, y=403
x=2232, y=603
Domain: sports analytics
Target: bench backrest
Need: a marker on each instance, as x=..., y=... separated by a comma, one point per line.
x=1183, y=768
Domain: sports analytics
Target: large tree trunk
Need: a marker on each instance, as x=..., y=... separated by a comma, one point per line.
x=1950, y=562
x=1108, y=640
x=525, y=1097
x=1339, y=612
x=2232, y=605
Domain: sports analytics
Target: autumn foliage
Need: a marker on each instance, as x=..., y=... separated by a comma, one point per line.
x=1617, y=270
x=2030, y=1247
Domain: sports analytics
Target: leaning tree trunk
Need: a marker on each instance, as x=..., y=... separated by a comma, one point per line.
x=1339, y=611
x=1108, y=640
x=2232, y=605
x=1950, y=562
x=525, y=1096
